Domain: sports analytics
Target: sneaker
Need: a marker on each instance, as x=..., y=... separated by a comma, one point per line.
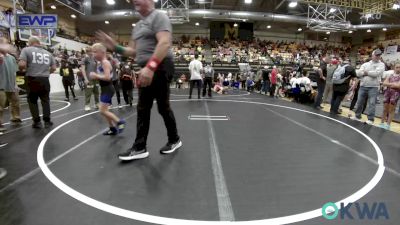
x=119, y=106
x=111, y=131
x=48, y=124
x=369, y=122
x=96, y=106
x=121, y=125
x=171, y=147
x=66, y=99
x=133, y=154
x=355, y=118
x=16, y=121
x=382, y=125
x=318, y=107
x=3, y=173
x=2, y=145
x=87, y=108
x=76, y=99
x=37, y=125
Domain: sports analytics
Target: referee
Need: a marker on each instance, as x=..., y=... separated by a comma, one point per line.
x=151, y=45
x=39, y=64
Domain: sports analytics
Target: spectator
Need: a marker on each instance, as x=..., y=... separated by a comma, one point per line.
x=265, y=80
x=126, y=78
x=89, y=65
x=183, y=79
x=369, y=75
x=392, y=94
x=273, y=81
x=305, y=88
x=208, y=79
x=327, y=96
x=243, y=81
x=321, y=81
x=8, y=86
x=68, y=79
x=39, y=64
x=115, y=79
x=279, y=84
x=250, y=85
x=341, y=84
x=195, y=68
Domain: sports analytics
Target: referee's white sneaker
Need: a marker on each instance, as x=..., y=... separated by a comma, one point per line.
x=133, y=154
x=171, y=147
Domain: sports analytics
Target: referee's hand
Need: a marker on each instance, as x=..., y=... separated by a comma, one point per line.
x=106, y=39
x=145, y=77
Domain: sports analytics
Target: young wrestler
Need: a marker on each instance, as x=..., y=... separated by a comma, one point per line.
x=107, y=89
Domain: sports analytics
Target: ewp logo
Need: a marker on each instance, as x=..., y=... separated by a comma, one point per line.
x=376, y=211
x=37, y=21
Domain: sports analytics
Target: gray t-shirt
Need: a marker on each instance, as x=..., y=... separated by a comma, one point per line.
x=144, y=34
x=39, y=61
x=8, y=72
x=90, y=66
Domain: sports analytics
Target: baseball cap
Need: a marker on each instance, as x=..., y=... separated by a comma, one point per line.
x=377, y=52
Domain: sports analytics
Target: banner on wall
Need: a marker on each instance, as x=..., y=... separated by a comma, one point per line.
x=391, y=49
x=40, y=25
x=37, y=21
x=229, y=31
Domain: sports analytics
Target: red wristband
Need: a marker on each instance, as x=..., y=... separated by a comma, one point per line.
x=153, y=64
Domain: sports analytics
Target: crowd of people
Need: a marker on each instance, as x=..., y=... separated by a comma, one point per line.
x=257, y=51
x=330, y=82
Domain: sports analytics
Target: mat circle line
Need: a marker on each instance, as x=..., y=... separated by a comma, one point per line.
x=173, y=221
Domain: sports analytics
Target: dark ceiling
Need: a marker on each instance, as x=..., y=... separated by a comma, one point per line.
x=268, y=6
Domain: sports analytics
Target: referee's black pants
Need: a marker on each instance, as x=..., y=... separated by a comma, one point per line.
x=207, y=83
x=38, y=87
x=160, y=91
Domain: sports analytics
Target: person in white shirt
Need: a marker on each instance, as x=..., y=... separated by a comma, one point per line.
x=230, y=77
x=195, y=68
x=305, y=82
x=279, y=79
x=369, y=74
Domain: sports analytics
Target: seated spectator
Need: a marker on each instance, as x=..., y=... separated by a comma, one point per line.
x=250, y=85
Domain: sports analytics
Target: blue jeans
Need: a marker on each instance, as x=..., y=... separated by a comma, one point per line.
x=265, y=86
x=365, y=93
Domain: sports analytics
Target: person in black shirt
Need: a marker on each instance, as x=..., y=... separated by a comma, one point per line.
x=68, y=79
x=126, y=78
x=266, y=82
x=321, y=82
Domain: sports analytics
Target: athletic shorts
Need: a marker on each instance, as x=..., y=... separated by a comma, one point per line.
x=391, y=96
x=106, y=98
